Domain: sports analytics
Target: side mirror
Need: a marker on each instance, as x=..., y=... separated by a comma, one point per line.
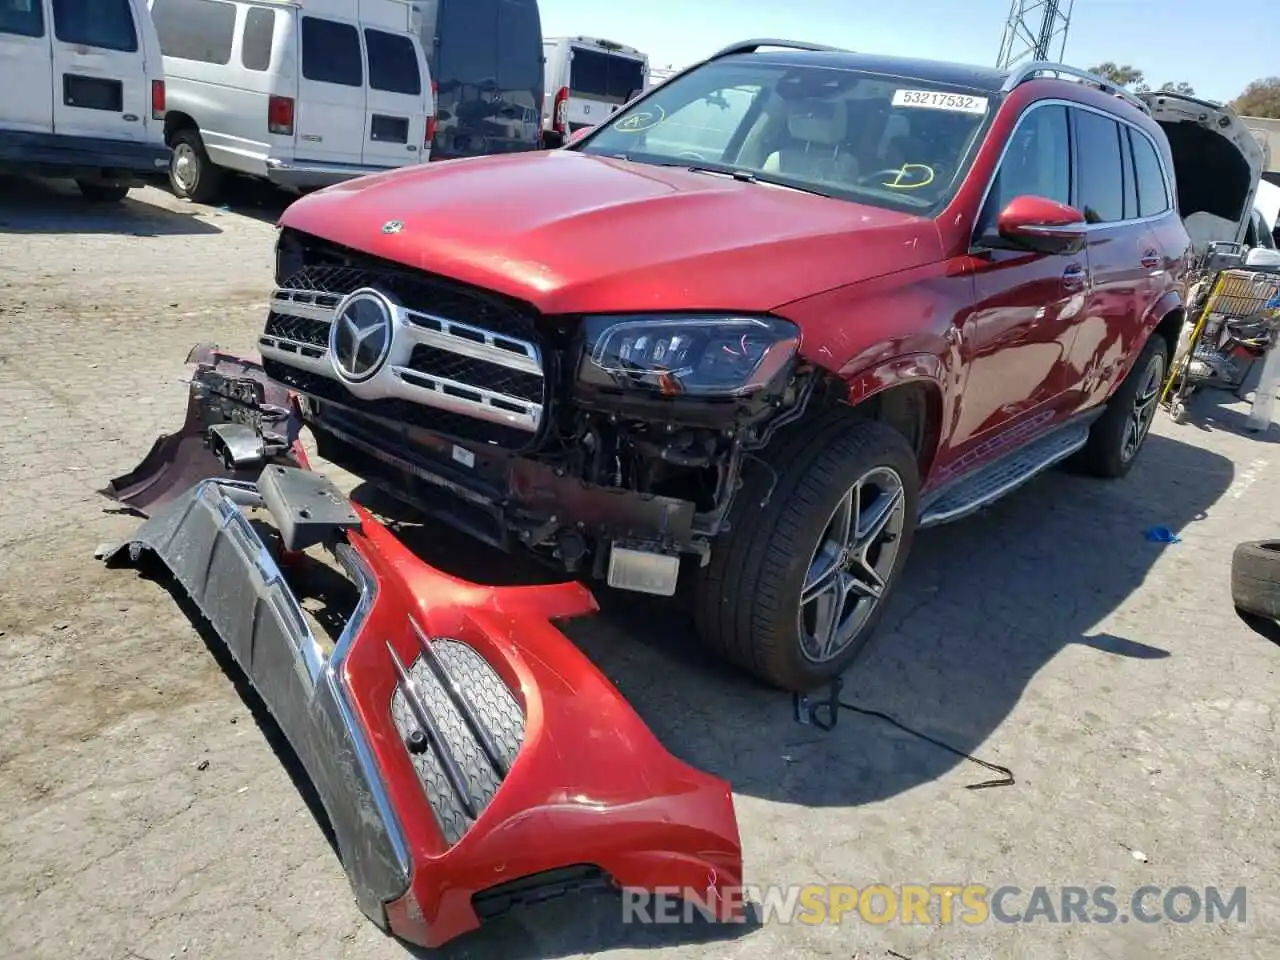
x=578, y=135
x=1042, y=225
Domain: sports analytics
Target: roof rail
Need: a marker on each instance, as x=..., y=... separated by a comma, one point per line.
x=751, y=46
x=1029, y=71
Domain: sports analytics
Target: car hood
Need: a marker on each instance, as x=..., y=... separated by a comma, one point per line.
x=573, y=233
x=1217, y=163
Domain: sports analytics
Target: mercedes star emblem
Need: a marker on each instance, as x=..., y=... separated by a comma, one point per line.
x=360, y=337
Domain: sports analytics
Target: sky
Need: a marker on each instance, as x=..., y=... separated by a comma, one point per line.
x=1169, y=40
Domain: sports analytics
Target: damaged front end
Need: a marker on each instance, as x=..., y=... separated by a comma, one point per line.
x=469, y=757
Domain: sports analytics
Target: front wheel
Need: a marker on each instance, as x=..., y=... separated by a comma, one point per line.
x=1118, y=435
x=817, y=541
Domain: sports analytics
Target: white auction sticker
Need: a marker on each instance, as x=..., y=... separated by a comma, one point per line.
x=936, y=100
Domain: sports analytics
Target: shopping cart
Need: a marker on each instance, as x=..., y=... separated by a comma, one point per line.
x=1237, y=312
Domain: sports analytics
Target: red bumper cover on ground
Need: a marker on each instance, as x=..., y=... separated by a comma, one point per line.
x=468, y=755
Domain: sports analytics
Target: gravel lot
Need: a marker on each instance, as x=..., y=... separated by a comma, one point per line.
x=151, y=813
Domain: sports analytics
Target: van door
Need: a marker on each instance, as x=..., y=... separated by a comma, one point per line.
x=599, y=84
x=331, y=92
x=26, y=68
x=100, y=84
x=396, y=106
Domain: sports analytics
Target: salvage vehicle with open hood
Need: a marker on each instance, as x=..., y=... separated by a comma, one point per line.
x=754, y=330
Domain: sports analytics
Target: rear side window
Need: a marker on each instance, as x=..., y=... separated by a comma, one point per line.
x=331, y=52
x=393, y=63
x=604, y=75
x=199, y=30
x=1153, y=194
x=1101, y=169
x=105, y=24
x=255, y=45
x=23, y=18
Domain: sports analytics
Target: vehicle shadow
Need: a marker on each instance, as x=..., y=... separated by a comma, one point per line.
x=984, y=604
x=32, y=206
x=244, y=196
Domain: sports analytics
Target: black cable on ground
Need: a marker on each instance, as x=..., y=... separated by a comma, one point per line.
x=811, y=713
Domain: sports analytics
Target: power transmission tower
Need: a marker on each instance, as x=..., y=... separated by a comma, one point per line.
x=1035, y=30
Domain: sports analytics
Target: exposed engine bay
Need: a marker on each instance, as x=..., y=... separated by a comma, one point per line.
x=564, y=434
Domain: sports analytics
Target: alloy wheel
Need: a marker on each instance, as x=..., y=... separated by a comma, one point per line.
x=1143, y=412
x=851, y=565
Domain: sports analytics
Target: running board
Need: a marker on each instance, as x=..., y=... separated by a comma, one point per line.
x=987, y=485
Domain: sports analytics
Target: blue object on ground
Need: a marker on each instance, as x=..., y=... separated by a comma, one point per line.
x=1162, y=535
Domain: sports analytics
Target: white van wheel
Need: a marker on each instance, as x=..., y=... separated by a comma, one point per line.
x=192, y=175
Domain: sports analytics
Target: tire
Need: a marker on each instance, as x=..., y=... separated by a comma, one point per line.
x=102, y=192
x=192, y=175
x=747, y=600
x=1109, y=452
x=1255, y=578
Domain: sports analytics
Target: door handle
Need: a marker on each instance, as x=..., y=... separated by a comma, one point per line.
x=1075, y=277
x=1151, y=259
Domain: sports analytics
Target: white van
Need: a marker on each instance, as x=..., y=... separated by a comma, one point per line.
x=586, y=81
x=82, y=93
x=303, y=94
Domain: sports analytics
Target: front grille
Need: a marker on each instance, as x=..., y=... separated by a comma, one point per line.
x=397, y=411
x=480, y=373
x=464, y=362
x=298, y=329
x=461, y=726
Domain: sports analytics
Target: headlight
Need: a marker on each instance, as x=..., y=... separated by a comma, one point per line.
x=710, y=356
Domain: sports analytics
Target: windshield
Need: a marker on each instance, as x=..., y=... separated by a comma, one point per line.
x=885, y=141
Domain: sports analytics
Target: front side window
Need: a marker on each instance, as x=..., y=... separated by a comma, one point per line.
x=1037, y=163
x=886, y=141
x=23, y=18
x=393, y=63
x=105, y=24
x=1101, y=169
x=199, y=30
x=331, y=52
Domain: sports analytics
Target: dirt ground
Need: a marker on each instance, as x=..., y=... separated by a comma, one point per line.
x=149, y=812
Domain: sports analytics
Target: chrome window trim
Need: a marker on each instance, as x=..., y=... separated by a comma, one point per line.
x=1072, y=104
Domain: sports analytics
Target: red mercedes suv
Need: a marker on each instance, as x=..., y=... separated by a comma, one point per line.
x=763, y=324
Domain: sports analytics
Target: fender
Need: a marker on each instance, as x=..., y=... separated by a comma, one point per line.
x=925, y=369
x=1170, y=302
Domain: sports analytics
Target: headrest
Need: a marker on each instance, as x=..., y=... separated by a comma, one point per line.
x=818, y=121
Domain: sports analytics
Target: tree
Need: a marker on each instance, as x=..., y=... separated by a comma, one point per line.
x=1121, y=76
x=1260, y=99
x=1131, y=78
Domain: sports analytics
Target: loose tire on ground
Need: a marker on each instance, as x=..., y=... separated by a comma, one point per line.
x=192, y=175
x=1255, y=578
x=1104, y=455
x=102, y=192
x=747, y=599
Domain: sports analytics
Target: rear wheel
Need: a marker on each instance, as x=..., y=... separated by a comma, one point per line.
x=102, y=192
x=192, y=175
x=794, y=591
x=1118, y=435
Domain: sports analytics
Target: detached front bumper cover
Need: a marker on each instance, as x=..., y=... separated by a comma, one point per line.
x=468, y=756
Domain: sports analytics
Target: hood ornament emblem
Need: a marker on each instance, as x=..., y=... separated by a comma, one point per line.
x=393, y=226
